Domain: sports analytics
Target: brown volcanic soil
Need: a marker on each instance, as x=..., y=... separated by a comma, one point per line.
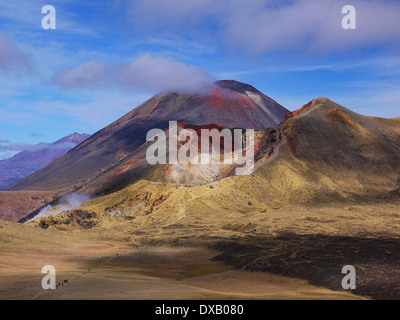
x=100, y=269
x=309, y=242
x=16, y=205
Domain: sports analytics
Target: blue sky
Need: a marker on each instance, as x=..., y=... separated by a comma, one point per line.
x=107, y=57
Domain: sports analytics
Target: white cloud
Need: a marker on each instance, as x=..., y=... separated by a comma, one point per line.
x=84, y=75
x=261, y=26
x=17, y=147
x=7, y=155
x=312, y=26
x=153, y=73
x=12, y=59
x=145, y=72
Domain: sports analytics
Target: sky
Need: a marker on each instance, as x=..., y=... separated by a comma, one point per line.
x=107, y=57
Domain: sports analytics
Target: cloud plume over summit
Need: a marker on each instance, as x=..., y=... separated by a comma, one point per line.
x=145, y=72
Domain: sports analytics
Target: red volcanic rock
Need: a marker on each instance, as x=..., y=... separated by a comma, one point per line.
x=198, y=130
x=298, y=111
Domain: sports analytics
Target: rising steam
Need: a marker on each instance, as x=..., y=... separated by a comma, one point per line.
x=69, y=202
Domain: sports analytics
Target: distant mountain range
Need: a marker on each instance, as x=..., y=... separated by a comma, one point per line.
x=27, y=162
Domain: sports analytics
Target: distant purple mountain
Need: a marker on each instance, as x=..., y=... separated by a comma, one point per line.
x=27, y=162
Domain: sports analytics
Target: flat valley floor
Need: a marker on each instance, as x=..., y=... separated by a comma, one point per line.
x=286, y=253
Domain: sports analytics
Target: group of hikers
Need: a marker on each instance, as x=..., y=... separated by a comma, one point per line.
x=61, y=284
